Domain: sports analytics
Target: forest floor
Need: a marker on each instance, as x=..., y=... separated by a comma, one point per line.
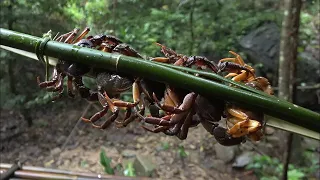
x=46, y=144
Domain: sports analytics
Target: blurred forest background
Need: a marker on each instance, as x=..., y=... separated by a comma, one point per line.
x=31, y=123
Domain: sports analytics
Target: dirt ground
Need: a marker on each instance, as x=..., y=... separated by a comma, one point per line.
x=46, y=144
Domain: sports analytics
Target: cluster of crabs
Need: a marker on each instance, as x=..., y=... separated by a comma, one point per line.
x=173, y=110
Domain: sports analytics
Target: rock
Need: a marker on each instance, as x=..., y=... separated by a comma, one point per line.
x=193, y=147
x=66, y=163
x=127, y=153
x=273, y=139
x=219, y=165
x=269, y=130
x=55, y=151
x=262, y=45
x=61, y=139
x=267, y=148
x=48, y=163
x=199, y=178
x=243, y=160
x=225, y=153
x=143, y=165
x=141, y=140
x=317, y=174
x=33, y=150
x=194, y=156
x=138, y=146
x=310, y=143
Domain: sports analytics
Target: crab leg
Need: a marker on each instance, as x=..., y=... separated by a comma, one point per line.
x=52, y=82
x=105, y=101
x=70, y=38
x=185, y=127
x=168, y=108
x=237, y=113
x=114, y=105
x=84, y=33
x=237, y=59
x=175, y=118
x=161, y=59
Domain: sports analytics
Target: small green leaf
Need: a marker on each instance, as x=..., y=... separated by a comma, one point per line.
x=182, y=152
x=165, y=146
x=105, y=162
x=295, y=174
x=129, y=171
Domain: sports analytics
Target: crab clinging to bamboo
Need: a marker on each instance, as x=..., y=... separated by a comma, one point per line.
x=182, y=106
x=75, y=71
x=109, y=83
x=240, y=121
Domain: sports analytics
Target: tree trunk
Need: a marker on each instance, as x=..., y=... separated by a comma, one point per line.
x=192, y=41
x=114, y=15
x=11, y=63
x=287, y=62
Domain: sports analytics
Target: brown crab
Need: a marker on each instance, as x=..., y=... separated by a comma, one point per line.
x=240, y=121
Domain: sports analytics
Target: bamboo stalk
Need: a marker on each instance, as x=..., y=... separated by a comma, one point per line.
x=147, y=69
x=32, y=172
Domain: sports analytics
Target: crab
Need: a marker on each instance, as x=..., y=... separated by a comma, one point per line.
x=75, y=71
x=172, y=57
x=179, y=104
x=240, y=121
x=209, y=113
x=106, y=84
x=111, y=85
x=182, y=107
x=237, y=69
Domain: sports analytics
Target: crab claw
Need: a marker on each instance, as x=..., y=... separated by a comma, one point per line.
x=244, y=127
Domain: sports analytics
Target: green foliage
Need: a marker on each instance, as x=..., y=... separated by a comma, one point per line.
x=216, y=26
x=266, y=167
x=33, y=17
x=129, y=170
x=105, y=162
x=165, y=146
x=308, y=27
x=182, y=153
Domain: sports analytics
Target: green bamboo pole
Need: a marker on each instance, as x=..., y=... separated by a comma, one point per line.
x=208, y=88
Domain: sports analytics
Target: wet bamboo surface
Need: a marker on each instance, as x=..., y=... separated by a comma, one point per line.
x=32, y=172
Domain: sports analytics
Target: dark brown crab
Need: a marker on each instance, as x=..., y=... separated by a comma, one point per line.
x=178, y=103
x=106, y=84
x=75, y=71
x=181, y=110
x=109, y=83
x=181, y=105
